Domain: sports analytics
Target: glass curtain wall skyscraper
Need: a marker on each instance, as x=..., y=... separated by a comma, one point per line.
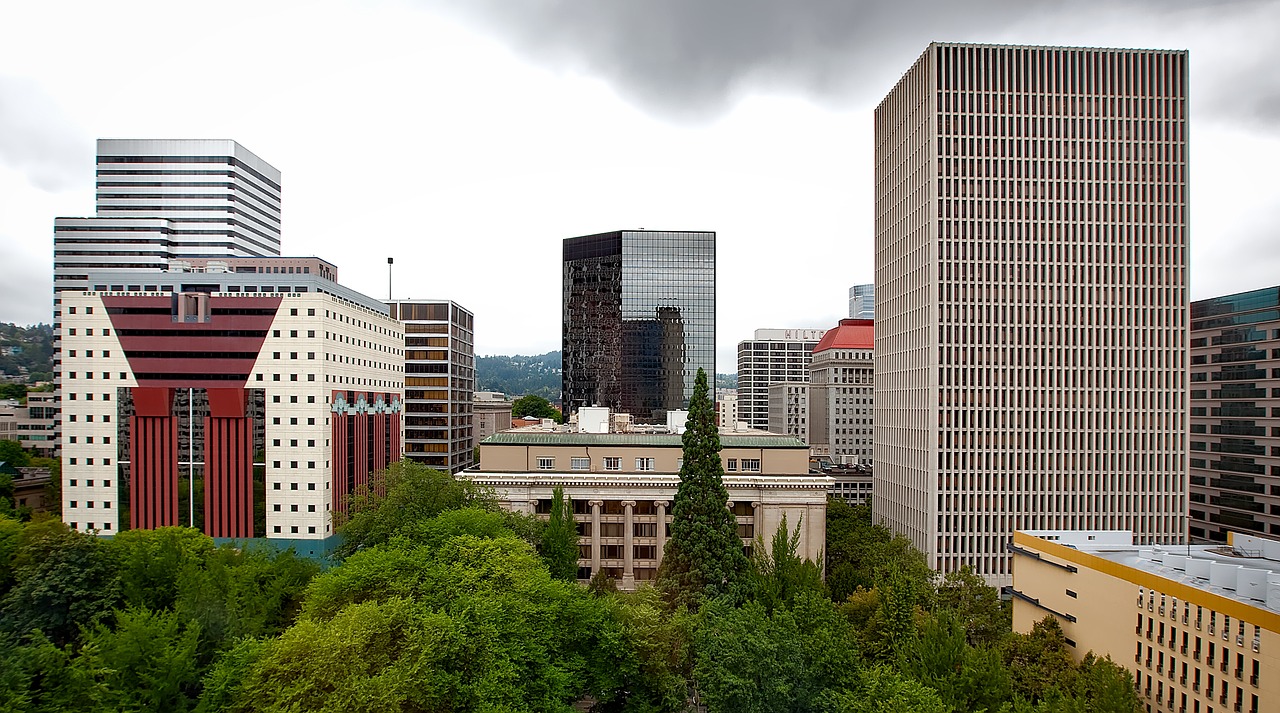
x=639, y=319
x=1031, y=324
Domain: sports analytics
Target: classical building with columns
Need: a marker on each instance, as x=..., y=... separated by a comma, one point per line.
x=622, y=485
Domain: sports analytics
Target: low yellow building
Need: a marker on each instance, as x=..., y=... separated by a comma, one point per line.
x=622, y=486
x=1205, y=619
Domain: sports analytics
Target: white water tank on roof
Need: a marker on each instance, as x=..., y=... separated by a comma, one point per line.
x=593, y=419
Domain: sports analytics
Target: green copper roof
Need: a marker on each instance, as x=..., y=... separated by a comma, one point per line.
x=668, y=440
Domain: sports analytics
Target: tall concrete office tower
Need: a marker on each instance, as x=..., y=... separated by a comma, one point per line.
x=639, y=320
x=1031, y=313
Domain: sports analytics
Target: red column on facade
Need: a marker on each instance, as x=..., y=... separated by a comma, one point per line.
x=379, y=441
x=360, y=449
x=340, y=449
x=228, y=459
x=153, y=460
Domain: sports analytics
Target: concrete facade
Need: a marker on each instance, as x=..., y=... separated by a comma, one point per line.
x=622, y=487
x=789, y=409
x=841, y=394
x=771, y=357
x=492, y=412
x=34, y=424
x=1205, y=620
x=1031, y=298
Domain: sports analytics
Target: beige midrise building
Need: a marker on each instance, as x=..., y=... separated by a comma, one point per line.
x=622, y=486
x=1205, y=618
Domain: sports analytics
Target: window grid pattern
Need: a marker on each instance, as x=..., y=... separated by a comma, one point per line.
x=1032, y=313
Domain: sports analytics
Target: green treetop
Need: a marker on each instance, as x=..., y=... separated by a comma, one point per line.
x=703, y=558
x=560, y=539
x=534, y=406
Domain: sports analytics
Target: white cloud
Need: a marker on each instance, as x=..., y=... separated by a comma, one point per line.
x=468, y=148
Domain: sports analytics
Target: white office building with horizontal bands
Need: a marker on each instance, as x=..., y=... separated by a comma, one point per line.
x=1031, y=310
x=170, y=199
x=771, y=357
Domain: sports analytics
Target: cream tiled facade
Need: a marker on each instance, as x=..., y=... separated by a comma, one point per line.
x=321, y=340
x=622, y=487
x=1199, y=627
x=1031, y=298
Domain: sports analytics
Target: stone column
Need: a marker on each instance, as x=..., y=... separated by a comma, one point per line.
x=596, y=506
x=756, y=512
x=628, y=544
x=662, y=526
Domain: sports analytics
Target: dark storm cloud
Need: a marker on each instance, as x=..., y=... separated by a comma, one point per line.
x=38, y=140
x=691, y=59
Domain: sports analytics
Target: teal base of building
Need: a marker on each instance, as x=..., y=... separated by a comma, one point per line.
x=318, y=550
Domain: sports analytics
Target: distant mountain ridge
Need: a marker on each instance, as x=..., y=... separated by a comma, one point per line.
x=520, y=375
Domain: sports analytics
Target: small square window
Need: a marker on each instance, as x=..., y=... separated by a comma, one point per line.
x=293, y=529
x=293, y=486
x=275, y=486
x=276, y=528
x=311, y=486
x=311, y=529
x=276, y=507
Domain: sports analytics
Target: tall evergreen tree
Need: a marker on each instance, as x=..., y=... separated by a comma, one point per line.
x=703, y=558
x=560, y=538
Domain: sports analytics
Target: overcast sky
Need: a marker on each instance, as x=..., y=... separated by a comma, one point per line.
x=467, y=138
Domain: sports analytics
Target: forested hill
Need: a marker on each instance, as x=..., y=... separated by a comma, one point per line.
x=520, y=375
x=27, y=352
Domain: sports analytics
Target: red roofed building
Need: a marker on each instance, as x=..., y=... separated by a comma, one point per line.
x=851, y=334
x=840, y=393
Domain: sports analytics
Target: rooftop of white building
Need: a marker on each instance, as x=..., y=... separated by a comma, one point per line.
x=1246, y=570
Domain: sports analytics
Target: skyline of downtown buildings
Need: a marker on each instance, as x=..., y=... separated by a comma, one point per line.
x=1054, y=490
x=1031, y=332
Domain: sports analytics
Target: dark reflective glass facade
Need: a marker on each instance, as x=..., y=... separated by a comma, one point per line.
x=1235, y=415
x=639, y=320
